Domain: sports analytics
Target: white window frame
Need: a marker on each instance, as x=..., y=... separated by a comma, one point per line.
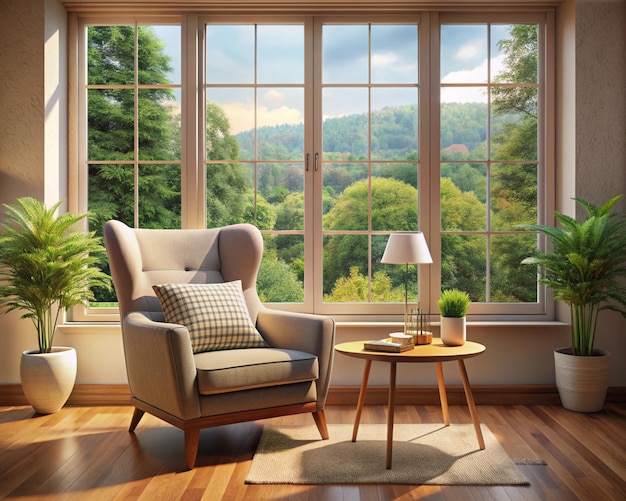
x=192, y=189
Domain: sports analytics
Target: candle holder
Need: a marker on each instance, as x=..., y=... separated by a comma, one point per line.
x=417, y=324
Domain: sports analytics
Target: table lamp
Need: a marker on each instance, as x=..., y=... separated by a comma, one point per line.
x=406, y=248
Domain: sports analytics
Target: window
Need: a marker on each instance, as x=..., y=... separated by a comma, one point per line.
x=358, y=127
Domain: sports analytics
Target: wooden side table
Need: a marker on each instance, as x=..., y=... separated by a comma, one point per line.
x=436, y=352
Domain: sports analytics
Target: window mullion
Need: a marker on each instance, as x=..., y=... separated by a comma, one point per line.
x=193, y=205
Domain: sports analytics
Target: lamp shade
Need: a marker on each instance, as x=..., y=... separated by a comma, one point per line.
x=407, y=247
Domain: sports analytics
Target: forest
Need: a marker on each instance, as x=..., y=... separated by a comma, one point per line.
x=487, y=168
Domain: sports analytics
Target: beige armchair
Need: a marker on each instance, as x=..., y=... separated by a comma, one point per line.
x=199, y=390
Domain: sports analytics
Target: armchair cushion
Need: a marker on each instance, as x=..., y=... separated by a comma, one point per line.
x=215, y=315
x=223, y=371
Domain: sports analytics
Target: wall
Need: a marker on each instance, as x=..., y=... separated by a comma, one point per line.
x=591, y=102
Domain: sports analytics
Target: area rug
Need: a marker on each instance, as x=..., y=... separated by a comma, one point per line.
x=422, y=454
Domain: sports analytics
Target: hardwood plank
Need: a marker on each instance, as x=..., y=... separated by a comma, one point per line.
x=87, y=452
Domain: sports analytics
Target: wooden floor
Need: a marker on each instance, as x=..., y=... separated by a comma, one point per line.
x=87, y=453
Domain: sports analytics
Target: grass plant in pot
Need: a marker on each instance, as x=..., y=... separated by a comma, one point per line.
x=46, y=266
x=453, y=306
x=586, y=268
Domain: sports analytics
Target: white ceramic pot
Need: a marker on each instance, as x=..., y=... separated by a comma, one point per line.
x=48, y=378
x=453, y=331
x=582, y=381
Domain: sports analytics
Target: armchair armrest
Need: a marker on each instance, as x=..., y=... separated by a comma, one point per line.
x=160, y=365
x=313, y=334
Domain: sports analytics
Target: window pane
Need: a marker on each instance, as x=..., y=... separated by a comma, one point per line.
x=280, y=54
x=514, y=123
x=394, y=202
x=280, y=119
x=514, y=53
x=110, y=195
x=345, y=126
x=394, y=54
x=346, y=268
x=281, y=276
x=230, y=195
x=348, y=209
x=394, y=123
x=464, y=53
x=159, y=196
x=110, y=124
x=282, y=187
x=229, y=54
x=336, y=178
x=463, y=264
x=345, y=54
x=513, y=196
x=510, y=281
x=464, y=128
x=463, y=195
x=230, y=124
x=159, y=125
x=111, y=59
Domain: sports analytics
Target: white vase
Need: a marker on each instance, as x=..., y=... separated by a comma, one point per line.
x=453, y=331
x=582, y=381
x=48, y=378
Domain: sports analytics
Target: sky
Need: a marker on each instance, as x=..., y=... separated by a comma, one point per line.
x=279, y=54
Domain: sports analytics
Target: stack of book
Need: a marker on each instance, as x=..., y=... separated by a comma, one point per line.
x=387, y=345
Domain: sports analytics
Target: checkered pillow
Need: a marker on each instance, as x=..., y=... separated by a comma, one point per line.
x=215, y=315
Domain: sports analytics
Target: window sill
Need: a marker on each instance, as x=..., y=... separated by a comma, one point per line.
x=114, y=327
x=470, y=324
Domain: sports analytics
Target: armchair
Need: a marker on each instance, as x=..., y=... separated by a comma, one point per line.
x=195, y=390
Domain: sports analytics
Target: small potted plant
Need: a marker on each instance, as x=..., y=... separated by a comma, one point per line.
x=585, y=268
x=46, y=266
x=453, y=306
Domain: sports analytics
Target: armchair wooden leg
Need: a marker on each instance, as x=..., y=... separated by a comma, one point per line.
x=137, y=415
x=320, y=421
x=192, y=437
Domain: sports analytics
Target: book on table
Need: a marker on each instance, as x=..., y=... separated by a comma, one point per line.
x=387, y=345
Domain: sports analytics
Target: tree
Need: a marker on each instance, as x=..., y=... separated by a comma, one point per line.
x=521, y=67
x=111, y=134
x=394, y=208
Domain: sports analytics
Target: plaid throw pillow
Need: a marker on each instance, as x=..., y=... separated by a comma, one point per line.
x=215, y=315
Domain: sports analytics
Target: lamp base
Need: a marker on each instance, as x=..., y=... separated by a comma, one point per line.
x=423, y=337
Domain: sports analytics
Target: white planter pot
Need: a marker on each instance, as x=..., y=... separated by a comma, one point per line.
x=48, y=378
x=453, y=331
x=582, y=381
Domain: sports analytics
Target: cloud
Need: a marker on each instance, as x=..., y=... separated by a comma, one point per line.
x=475, y=75
x=241, y=117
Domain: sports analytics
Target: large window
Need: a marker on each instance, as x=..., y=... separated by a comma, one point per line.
x=328, y=133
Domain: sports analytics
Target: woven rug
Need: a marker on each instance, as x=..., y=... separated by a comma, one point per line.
x=422, y=454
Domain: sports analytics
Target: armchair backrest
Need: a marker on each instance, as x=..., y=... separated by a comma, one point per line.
x=140, y=258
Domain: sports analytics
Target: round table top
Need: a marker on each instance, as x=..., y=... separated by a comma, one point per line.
x=434, y=352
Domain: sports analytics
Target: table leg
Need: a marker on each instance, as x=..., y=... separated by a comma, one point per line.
x=359, y=405
x=390, y=411
x=471, y=404
x=443, y=398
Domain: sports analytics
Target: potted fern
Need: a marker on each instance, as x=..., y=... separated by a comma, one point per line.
x=46, y=266
x=453, y=306
x=586, y=268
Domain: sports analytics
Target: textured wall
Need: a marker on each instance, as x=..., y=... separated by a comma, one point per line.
x=600, y=98
x=21, y=99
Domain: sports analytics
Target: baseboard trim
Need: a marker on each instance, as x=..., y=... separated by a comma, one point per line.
x=119, y=394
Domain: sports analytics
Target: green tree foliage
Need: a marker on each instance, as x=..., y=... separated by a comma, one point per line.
x=520, y=61
x=462, y=256
x=277, y=281
x=355, y=289
x=111, y=130
x=514, y=186
x=394, y=207
x=278, y=202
